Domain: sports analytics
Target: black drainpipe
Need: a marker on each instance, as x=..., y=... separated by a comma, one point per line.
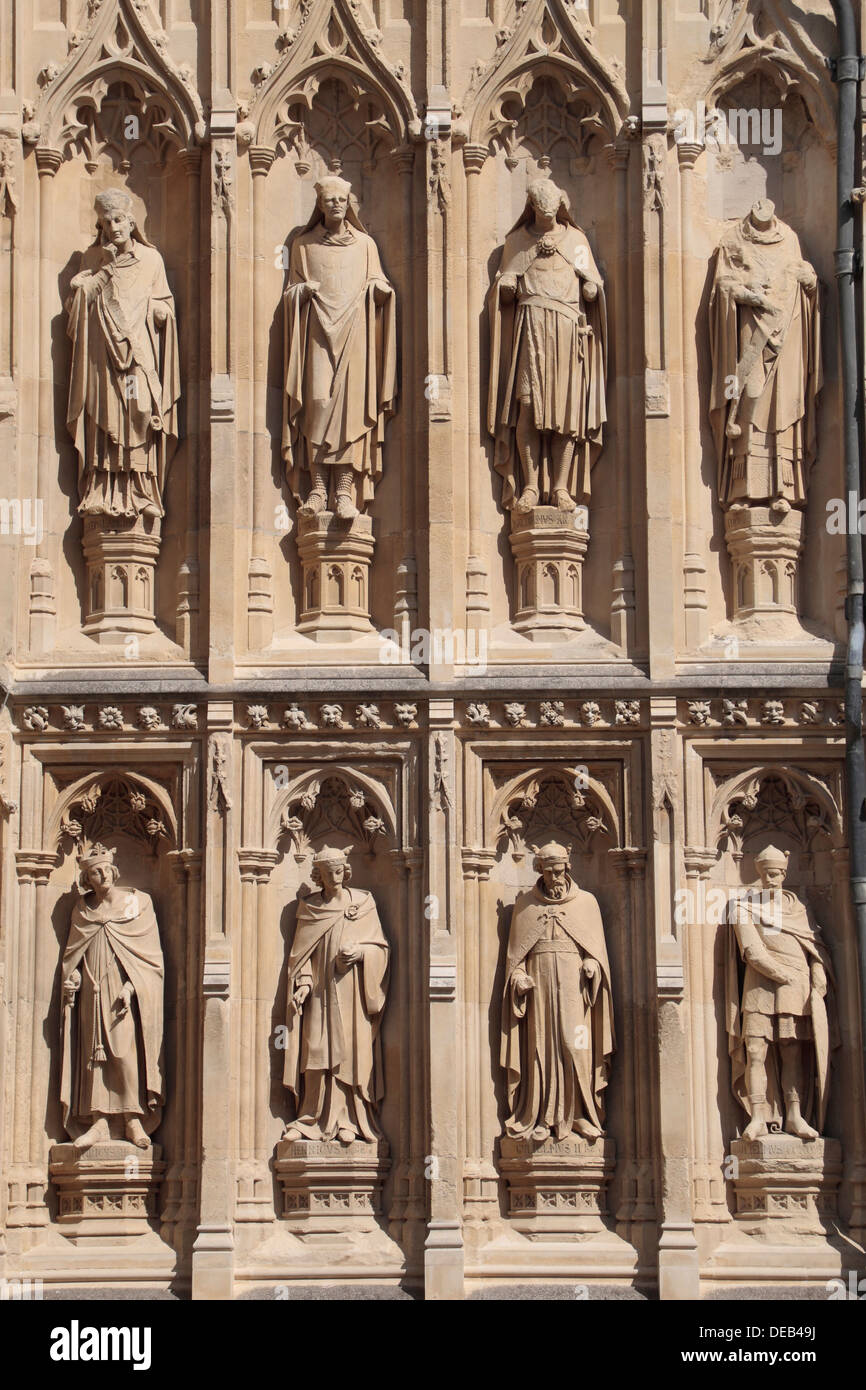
x=847, y=73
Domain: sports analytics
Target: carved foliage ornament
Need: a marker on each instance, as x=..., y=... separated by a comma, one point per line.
x=114, y=805
x=775, y=802
x=327, y=805
x=562, y=799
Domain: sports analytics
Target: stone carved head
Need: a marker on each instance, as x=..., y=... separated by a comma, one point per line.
x=96, y=868
x=331, y=867
x=553, y=862
x=772, y=866
x=114, y=207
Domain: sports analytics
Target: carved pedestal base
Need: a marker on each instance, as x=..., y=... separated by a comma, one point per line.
x=549, y=549
x=765, y=549
x=336, y=557
x=786, y=1186
x=557, y=1188
x=120, y=590
x=331, y=1188
x=106, y=1193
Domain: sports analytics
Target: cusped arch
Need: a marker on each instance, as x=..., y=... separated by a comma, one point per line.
x=764, y=40
x=352, y=779
x=803, y=788
x=72, y=795
x=331, y=44
x=118, y=47
x=574, y=779
x=545, y=43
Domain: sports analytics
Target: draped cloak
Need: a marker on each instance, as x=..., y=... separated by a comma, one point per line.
x=550, y=343
x=333, y=1063
x=113, y=1065
x=341, y=358
x=777, y=352
x=554, y=1075
x=125, y=372
x=781, y=926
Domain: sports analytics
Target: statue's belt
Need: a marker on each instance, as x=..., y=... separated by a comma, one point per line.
x=558, y=946
x=540, y=301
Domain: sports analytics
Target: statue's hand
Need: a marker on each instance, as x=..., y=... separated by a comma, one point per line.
x=754, y=299
x=309, y=290
x=590, y=969
x=160, y=314
x=381, y=291
x=590, y=290
x=124, y=999
x=806, y=276
x=349, y=955
x=71, y=986
x=300, y=997
x=523, y=983
x=507, y=287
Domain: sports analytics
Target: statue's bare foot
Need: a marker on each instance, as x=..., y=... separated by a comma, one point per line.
x=97, y=1134
x=564, y=501
x=345, y=508
x=540, y=1133
x=756, y=1128
x=151, y=510
x=345, y=1136
x=292, y=1134
x=315, y=503
x=528, y=500
x=135, y=1133
x=795, y=1124
x=586, y=1129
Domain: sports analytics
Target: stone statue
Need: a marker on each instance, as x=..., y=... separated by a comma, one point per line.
x=337, y=985
x=780, y=1032
x=557, y=1014
x=341, y=358
x=548, y=356
x=125, y=384
x=766, y=363
x=112, y=973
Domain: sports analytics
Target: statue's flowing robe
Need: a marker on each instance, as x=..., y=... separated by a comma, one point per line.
x=775, y=357
x=778, y=925
x=548, y=346
x=112, y=1065
x=341, y=358
x=333, y=1063
x=555, y=1073
x=125, y=374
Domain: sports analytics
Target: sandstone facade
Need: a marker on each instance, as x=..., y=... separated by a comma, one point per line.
x=606, y=626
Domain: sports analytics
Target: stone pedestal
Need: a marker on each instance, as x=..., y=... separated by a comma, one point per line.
x=336, y=557
x=120, y=589
x=107, y=1192
x=331, y=1188
x=765, y=549
x=549, y=548
x=786, y=1186
x=557, y=1188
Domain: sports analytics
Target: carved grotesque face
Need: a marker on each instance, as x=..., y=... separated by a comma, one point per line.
x=555, y=879
x=332, y=872
x=116, y=227
x=333, y=201
x=545, y=198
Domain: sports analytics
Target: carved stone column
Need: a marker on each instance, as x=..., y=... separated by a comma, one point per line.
x=549, y=548
x=336, y=559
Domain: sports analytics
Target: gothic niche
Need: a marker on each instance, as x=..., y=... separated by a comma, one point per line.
x=124, y=392
x=339, y=307
x=765, y=348
x=546, y=405
x=781, y=1012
